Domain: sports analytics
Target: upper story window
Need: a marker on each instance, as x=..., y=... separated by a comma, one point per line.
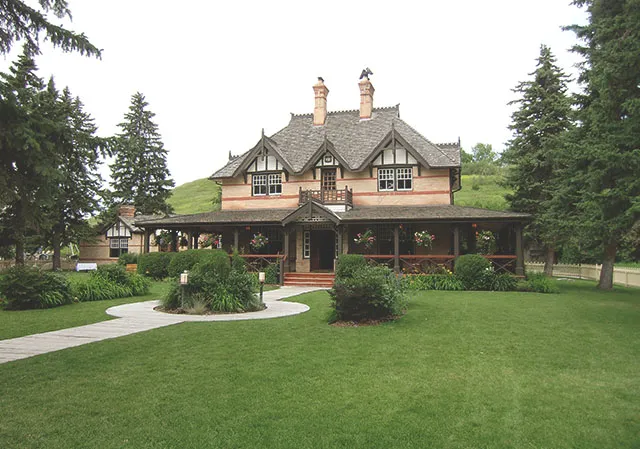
x=390, y=179
x=267, y=184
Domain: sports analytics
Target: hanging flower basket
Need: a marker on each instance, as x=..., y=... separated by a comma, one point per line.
x=485, y=242
x=209, y=240
x=258, y=241
x=424, y=238
x=163, y=238
x=184, y=242
x=368, y=239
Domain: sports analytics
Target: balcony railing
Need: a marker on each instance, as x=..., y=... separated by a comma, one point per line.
x=327, y=196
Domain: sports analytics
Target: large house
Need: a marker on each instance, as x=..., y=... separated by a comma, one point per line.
x=314, y=186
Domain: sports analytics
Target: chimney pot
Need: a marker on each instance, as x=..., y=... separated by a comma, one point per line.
x=320, y=109
x=366, y=98
x=126, y=211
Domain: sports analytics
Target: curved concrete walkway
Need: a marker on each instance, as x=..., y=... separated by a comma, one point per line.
x=140, y=317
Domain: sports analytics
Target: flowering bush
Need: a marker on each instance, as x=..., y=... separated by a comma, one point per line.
x=258, y=241
x=368, y=239
x=209, y=240
x=424, y=238
x=485, y=242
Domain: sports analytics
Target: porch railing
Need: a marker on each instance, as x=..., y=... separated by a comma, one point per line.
x=259, y=262
x=327, y=196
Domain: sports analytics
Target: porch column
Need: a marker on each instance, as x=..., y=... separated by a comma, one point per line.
x=147, y=238
x=236, y=238
x=396, y=249
x=174, y=240
x=195, y=236
x=285, y=249
x=189, y=240
x=519, y=251
x=456, y=241
x=340, y=234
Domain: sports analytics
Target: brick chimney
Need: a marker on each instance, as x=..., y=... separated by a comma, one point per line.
x=126, y=211
x=366, y=98
x=320, y=109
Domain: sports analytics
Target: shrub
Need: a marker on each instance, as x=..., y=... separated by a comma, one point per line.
x=503, y=283
x=348, y=264
x=540, y=283
x=215, y=263
x=25, y=287
x=98, y=288
x=368, y=293
x=434, y=282
x=112, y=272
x=184, y=260
x=128, y=258
x=474, y=271
x=154, y=265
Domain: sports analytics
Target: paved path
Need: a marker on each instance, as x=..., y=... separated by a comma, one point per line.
x=140, y=317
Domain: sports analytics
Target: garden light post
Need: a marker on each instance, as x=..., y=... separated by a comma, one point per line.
x=261, y=279
x=184, y=280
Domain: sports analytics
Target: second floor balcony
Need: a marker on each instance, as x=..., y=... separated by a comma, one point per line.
x=343, y=197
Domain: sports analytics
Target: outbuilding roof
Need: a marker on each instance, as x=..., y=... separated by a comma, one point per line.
x=353, y=140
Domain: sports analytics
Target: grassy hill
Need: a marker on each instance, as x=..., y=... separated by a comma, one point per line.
x=477, y=191
x=482, y=191
x=201, y=195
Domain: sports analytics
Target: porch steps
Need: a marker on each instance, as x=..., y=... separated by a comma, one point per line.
x=309, y=279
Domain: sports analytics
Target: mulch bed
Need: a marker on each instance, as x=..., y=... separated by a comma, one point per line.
x=370, y=322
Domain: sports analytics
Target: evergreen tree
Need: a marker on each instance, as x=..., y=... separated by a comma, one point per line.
x=27, y=156
x=539, y=127
x=76, y=196
x=140, y=174
x=18, y=21
x=605, y=162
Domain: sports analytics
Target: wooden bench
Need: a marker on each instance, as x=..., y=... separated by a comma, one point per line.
x=86, y=266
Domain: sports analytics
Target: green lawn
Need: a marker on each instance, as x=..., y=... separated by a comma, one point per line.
x=460, y=370
x=26, y=322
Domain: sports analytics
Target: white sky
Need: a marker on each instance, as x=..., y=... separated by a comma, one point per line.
x=216, y=73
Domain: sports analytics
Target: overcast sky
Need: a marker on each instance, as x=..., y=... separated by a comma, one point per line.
x=216, y=73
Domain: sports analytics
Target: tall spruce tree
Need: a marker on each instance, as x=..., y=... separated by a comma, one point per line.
x=605, y=162
x=28, y=157
x=539, y=127
x=19, y=21
x=140, y=174
x=76, y=196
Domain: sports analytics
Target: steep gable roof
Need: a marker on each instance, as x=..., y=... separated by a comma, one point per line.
x=352, y=139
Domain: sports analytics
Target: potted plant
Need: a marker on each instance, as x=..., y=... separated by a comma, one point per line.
x=424, y=238
x=368, y=239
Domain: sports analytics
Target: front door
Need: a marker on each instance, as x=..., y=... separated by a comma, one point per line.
x=328, y=184
x=323, y=244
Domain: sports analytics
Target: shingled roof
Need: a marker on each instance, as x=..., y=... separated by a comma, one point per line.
x=353, y=140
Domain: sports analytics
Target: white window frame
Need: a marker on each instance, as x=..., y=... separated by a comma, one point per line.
x=404, y=174
x=114, y=243
x=259, y=181
x=306, y=245
x=274, y=181
x=386, y=175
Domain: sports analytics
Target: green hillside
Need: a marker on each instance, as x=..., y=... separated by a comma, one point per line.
x=477, y=191
x=195, y=197
x=482, y=191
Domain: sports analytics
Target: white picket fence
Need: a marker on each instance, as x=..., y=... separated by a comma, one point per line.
x=629, y=277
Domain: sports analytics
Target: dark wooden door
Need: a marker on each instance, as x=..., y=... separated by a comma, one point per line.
x=322, y=250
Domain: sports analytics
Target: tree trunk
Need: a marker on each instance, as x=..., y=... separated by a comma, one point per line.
x=55, y=242
x=19, y=233
x=550, y=258
x=606, y=274
x=19, y=251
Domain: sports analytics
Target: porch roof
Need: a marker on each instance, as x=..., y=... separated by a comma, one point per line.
x=442, y=213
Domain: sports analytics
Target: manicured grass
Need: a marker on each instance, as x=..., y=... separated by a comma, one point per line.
x=195, y=197
x=489, y=195
x=460, y=370
x=19, y=323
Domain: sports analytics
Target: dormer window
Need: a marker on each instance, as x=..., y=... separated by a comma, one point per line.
x=392, y=179
x=267, y=184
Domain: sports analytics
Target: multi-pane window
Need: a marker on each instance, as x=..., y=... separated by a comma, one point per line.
x=268, y=184
x=118, y=246
x=385, y=179
x=390, y=179
x=275, y=184
x=404, y=178
x=259, y=184
x=306, y=247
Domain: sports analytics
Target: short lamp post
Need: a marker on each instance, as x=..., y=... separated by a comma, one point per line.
x=261, y=278
x=184, y=280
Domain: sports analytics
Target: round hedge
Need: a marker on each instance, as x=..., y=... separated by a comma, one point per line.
x=471, y=269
